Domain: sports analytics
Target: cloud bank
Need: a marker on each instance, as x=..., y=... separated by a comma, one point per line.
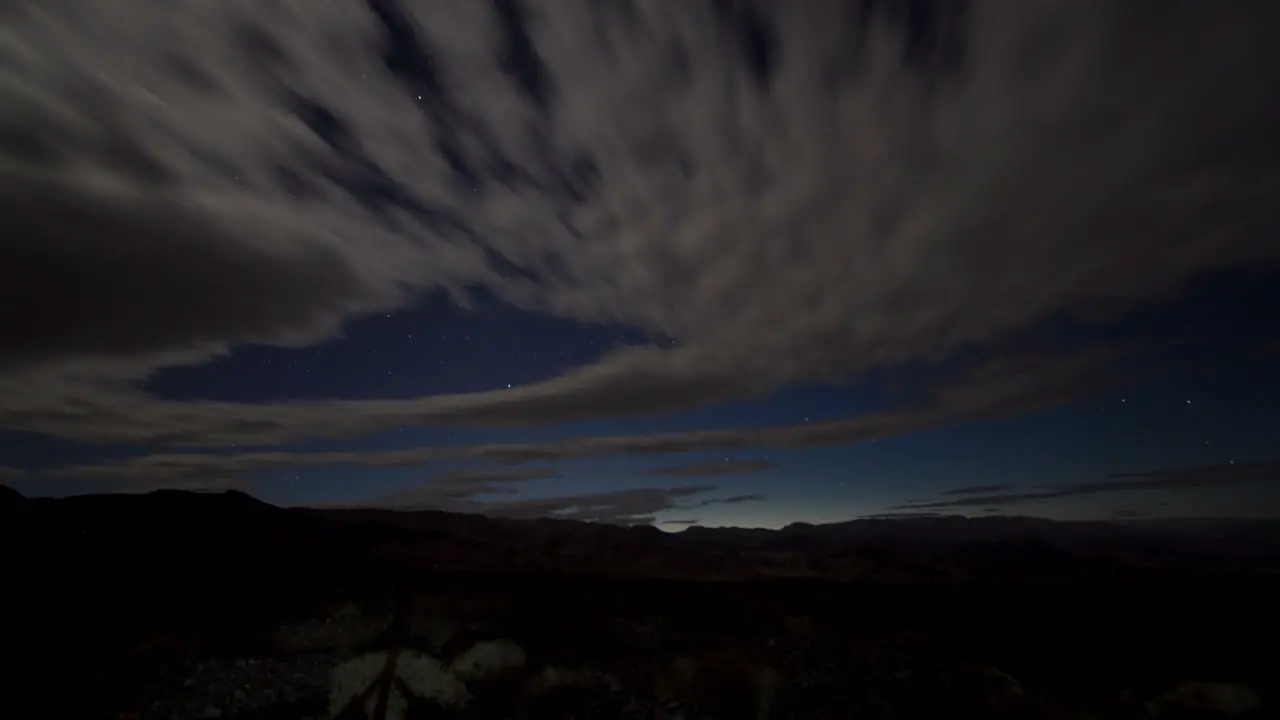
x=791, y=192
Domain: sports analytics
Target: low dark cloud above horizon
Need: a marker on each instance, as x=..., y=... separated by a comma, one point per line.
x=714, y=469
x=1231, y=475
x=352, y=245
x=979, y=489
x=634, y=506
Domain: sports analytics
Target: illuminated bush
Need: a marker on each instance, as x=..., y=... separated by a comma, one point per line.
x=411, y=677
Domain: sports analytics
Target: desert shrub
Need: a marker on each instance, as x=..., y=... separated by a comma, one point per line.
x=488, y=658
x=552, y=679
x=427, y=678
x=415, y=677
x=720, y=683
x=352, y=678
x=1214, y=697
x=412, y=678
x=434, y=629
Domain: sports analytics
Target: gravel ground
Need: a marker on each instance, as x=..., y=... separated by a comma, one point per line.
x=268, y=687
x=799, y=674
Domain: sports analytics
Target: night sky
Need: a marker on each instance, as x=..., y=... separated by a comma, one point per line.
x=723, y=263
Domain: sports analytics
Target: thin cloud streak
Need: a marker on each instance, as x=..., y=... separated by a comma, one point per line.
x=735, y=499
x=732, y=500
x=901, y=515
x=1168, y=479
x=714, y=469
x=635, y=506
x=978, y=490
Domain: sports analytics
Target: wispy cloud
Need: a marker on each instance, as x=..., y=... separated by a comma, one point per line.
x=753, y=497
x=901, y=515
x=1168, y=479
x=977, y=490
x=731, y=500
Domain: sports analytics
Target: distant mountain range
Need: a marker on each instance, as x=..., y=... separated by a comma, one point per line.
x=128, y=529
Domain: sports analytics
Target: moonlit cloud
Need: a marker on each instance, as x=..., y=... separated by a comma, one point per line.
x=808, y=194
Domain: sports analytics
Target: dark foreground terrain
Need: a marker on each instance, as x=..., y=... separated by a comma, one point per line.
x=176, y=605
